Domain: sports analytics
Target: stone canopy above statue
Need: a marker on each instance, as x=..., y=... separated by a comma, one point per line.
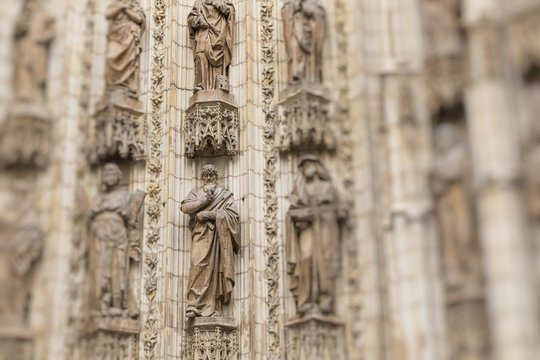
x=211, y=124
x=304, y=105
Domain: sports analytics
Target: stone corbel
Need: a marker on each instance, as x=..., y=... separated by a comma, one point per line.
x=211, y=338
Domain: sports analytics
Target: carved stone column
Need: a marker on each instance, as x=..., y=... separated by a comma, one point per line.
x=213, y=338
x=304, y=118
x=316, y=337
x=212, y=124
x=111, y=338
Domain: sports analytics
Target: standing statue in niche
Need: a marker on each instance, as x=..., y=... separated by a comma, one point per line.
x=313, y=238
x=211, y=25
x=21, y=246
x=114, y=245
x=127, y=25
x=214, y=223
x=304, y=29
x=34, y=33
x=451, y=186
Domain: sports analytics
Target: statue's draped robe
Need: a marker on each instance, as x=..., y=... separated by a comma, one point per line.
x=304, y=40
x=110, y=252
x=212, y=46
x=123, y=51
x=212, y=253
x=313, y=234
x=455, y=216
x=31, y=56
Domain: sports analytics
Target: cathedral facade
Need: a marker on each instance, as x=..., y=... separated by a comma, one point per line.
x=270, y=179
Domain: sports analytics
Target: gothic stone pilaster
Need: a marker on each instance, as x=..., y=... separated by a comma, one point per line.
x=304, y=118
x=316, y=337
x=211, y=338
x=25, y=136
x=119, y=129
x=212, y=125
x=110, y=338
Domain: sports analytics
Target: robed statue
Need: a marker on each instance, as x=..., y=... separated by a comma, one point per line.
x=21, y=247
x=214, y=223
x=453, y=194
x=114, y=244
x=211, y=25
x=304, y=30
x=127, y=25
x=34, y=32
x=313, y=238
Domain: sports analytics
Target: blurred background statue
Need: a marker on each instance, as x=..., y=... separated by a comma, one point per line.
x=304, y=29
x=33, y=34
x=114, y=245
x=214, y=223
x=127, y=25
x=211, y=25
x=313, y=235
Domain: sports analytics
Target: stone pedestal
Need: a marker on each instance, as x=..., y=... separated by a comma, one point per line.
x=304, y=119
x=110, y=338
x=16, y=344
x=316, y=337
x=213, y=338
x=119, y=129
x=212, y=124
x=25, y=136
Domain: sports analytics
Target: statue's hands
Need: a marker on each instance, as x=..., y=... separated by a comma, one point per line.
x=206, y=216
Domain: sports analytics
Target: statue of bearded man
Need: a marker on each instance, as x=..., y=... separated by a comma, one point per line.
x=211, y=25
x=313, y=238
x=214, y=223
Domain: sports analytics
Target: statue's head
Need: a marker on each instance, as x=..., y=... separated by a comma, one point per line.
x=111, y=175
x=209, y=174
x=447, y=135
x=311, y=166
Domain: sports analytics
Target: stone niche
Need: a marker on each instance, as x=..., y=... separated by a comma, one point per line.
x=26, y=136
x=213, y=338
x=212, y=124
x=316, y=337
x=110, y=338
x=119, y=129
x=304, y=118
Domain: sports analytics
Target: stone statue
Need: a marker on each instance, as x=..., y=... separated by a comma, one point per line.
x=451, y=186
x=313, y=238
x=215, y=226
x=304, y=29
x=211, y=25
x=127, y=25
x=113, y=245
x=33, y=35
x=21, y=246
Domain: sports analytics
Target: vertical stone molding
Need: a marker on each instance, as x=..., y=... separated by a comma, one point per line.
x=212, y=124
x=214, y=338
x=316, y=337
